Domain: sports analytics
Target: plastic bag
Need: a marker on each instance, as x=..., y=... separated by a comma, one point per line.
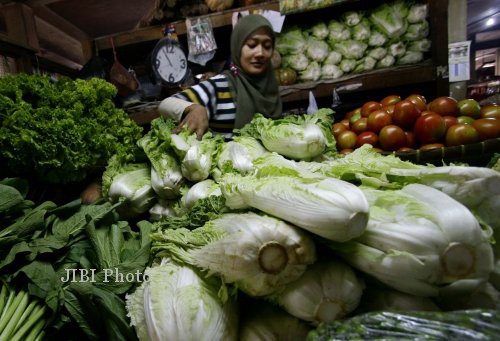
x=201, y=40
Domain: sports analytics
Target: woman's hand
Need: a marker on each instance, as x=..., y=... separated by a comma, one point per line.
x=195, y=119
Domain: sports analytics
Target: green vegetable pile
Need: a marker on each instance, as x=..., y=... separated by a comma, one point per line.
x=59, y=131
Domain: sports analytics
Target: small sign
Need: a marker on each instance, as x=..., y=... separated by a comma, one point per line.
x=459, y=61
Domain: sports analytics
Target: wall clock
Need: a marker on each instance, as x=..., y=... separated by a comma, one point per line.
x=169, y=62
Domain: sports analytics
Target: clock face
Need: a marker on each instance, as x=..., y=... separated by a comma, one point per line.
x=169, y=62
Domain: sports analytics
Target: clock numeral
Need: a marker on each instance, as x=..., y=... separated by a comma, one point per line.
x=157, y=63
x=170, y=48
x=171, y=78
x=183, y=64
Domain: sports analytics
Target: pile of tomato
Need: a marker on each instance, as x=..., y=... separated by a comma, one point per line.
x=397, y=124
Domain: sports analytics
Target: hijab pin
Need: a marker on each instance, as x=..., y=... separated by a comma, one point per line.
x=234, y=69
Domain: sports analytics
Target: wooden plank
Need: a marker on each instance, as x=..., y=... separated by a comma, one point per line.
x=438, y=19
x=20, y=24
x=34, y=3
x=56, y=41
x=47, y=15
x=375, y=80
x=219, y=19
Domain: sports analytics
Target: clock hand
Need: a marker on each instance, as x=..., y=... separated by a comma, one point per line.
x=166, y=55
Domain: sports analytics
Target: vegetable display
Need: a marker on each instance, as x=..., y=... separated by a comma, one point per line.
x=395, y=33
x=61, y=131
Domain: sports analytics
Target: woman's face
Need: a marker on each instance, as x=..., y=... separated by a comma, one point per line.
x=256, y=52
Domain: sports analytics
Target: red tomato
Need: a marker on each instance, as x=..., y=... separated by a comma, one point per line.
x=465, y=119
x=370, y=106
x=444, y=106
x=461, y=134
x=392, y=137
x=405, y=114
x=429, y=128
x=346, y=140
x=487, y=128
x=349, y=115
x=418, y=100
x=337, y=128
x=367, y=137
x=405, y=149
x=392, y=99
x=449, y=121
x=346, y=123
x=354, y=118
x=378, y=119
x=389, y=109
x=469, y=107
x=490, y=111
x=431, y=146
x=360, y=125
x=411, y=141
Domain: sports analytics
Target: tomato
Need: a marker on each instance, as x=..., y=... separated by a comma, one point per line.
x=490, y=111
x=392, y=99
x=449, y=121
x=411, y=141
x=429, y=128
x=487, y=128
x=354, y=118
x=392, y=137
x=349, y=115
x=469, y=107
x=346, y=123
x=377, y=120
x=389, y=109
x=405, y=149
x=367, y=137
x=461, y=134
x=346, y=140
x=405, y=114
x=360, y=125
x=444, y=106
x=337, y=128
x=465, y=119
x=370, y=106
x=431, y=146
x=418, y=100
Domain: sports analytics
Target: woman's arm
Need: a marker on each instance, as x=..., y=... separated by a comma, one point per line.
x=193, y=116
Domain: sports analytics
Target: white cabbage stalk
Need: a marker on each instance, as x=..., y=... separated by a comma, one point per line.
x=419, y=239
x=334, y=58
x=397, y=49
x=130, y=183
x=167, y=180
x=317, y=50
x=330, y=71
x=331, y=208
x=351, y=18
x=163, y=208
x=298, y=62
x=377, y=53
x=300, y=137
x=258, y=253
x=200, y=190
x=177, y=304
x=238, y=155
x=376, y=299
x=327, y=291
x=410, y=57
x=312, y=72
x=377, y=38
x=320, y=30
x=387, y=61
x=265, y=322
x=347, y=65
x=417, y=13
x=469, y=294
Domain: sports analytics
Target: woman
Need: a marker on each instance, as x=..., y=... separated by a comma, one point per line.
x=231, y=99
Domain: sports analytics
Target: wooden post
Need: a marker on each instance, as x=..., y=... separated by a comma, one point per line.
x=438, y=17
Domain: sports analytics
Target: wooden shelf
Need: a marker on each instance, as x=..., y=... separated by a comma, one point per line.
x=219, y=19
x=384, y=78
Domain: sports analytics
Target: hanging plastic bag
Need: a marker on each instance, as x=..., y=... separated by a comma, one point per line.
x=201, y=40
x=121, y=78
x=313, y=106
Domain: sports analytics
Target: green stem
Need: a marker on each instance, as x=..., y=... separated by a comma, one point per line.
x=3, y=297
x=25, y=315
x=16, y=315
x=7, y=304
x=35, y=332
x=6, y=308
x=32, y=320
x=40, y=336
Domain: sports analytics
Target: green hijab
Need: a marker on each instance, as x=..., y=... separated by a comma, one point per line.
x=252, y=94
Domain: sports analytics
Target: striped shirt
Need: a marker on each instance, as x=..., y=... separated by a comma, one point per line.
x=214, y=94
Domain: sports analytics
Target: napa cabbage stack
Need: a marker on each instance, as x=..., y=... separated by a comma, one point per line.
x=258, y=253
x=419, y=240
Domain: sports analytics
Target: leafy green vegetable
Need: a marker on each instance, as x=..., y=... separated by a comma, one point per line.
x=60, y=131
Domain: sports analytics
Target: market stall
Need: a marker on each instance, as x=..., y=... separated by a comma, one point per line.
x=372, y=220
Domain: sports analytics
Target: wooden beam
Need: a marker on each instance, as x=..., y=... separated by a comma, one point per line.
x=20, y=24
x=34, y=3
x=57, y=41
x=219, y=19
x=49, y=16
